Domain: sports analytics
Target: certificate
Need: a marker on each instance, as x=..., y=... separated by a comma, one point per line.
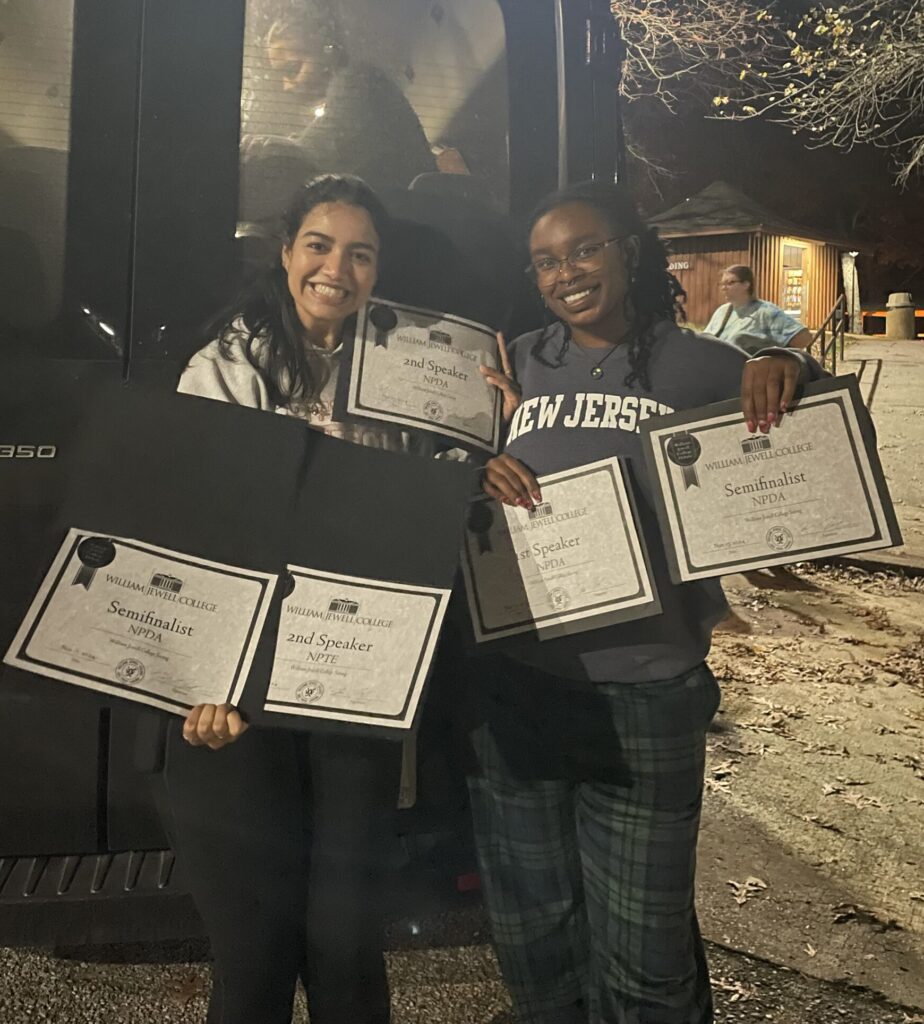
x=573, y=563
x=352, y=649
x=729, y=501
x=153, y=625
x=421, y=369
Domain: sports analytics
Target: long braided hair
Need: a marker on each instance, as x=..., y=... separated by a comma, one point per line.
x=654, y=293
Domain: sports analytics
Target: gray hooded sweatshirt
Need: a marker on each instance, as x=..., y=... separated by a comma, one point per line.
x=567, y=418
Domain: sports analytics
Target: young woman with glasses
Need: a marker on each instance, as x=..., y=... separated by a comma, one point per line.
x=591, y=748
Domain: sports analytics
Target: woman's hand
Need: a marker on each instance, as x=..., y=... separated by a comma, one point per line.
x=510, y=482
x=213, y=726
x=503, y=380
x=768, y=385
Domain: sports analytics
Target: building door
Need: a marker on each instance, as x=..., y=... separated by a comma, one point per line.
x=794, y=286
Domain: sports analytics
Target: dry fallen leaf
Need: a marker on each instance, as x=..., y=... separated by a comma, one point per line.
x=845, y=913
x=815, y=820
x=738, y=991
x=860, y=802
x=750, y=887
x=187, y=990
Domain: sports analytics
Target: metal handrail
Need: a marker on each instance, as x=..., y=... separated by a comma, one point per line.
x=836, y=320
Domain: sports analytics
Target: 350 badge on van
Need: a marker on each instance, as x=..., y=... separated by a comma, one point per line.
x=28, y=451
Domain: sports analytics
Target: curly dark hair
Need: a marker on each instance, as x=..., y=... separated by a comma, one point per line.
x=654, y=293
x=264, y=313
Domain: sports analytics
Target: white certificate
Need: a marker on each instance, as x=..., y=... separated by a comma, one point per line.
x=729, y=501
x=351, y=649
x=573, y=563
x=421, y=369
x=138, y=621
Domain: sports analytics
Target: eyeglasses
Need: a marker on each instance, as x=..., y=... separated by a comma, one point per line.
x=585, y=257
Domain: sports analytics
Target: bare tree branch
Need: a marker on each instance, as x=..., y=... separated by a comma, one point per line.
x=843, y=75
x=689, y=46
x=853, y=75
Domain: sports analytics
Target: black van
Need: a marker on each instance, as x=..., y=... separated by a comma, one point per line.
x=144, y=148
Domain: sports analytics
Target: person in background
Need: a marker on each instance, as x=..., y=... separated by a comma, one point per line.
x=749, y=322
x=590, y=749
x=357, y=120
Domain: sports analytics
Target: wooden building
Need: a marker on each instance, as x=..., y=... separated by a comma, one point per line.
x=794, y=266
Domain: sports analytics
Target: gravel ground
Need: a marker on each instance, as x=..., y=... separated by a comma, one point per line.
x=445, y=985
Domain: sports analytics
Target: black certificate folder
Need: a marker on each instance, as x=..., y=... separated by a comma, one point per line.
x=209, y=491
x=208, y=478
x=369, y=570
x=729, y=501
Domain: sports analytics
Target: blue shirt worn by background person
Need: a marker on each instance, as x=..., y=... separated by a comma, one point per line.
x=754, y=326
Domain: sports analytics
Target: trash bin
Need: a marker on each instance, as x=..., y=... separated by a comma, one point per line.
x=900, y=316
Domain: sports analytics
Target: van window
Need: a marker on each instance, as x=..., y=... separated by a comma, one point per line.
x=405, y=94
x=35, y=86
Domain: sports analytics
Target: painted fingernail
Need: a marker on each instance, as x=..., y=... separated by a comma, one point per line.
x=537, y=496
x=752, y=427
x=771, y=417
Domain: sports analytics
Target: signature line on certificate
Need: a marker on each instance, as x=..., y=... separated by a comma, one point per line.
x=329, y=664
x=140, y=643
x=757, y=511
x=558, y=574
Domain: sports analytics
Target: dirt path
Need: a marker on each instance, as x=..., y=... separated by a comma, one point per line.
x=816, y=776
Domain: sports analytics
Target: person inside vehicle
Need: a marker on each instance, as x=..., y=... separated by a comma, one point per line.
x=752, y=323
x=356, y=119
x=590, y=749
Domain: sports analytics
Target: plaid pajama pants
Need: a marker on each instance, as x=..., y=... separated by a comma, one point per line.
x=586, y=804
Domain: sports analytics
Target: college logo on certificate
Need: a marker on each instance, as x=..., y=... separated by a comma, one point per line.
x=133, y=620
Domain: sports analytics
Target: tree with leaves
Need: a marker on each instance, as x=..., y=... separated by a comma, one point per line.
x=683, y=48
x=853, y=75
x=842, y=75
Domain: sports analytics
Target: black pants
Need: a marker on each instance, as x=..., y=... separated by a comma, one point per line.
x=283, y=839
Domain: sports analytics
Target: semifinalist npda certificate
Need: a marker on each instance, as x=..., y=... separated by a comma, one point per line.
x=352, y=649
x=729, y=501
x=573, y=563
x=153, y=625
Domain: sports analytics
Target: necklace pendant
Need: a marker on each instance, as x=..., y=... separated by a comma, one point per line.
x=596, y=373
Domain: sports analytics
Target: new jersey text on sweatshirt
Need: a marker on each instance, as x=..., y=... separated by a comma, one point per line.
x=586, y=409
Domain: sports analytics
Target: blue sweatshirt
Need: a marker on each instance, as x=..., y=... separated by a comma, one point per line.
x=567, y=418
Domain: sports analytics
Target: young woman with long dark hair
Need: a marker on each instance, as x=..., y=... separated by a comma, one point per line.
x=282, y=836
